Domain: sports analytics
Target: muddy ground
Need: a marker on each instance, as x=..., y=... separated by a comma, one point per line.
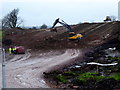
x=68, y=77
x=48, y=51
x=26, y=71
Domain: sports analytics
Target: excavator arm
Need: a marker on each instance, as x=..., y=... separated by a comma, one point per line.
x=62, y=23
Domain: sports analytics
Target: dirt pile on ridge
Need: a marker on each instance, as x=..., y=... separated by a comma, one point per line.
x=93, y=34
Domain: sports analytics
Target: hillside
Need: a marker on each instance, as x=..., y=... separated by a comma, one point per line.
x=94, y=34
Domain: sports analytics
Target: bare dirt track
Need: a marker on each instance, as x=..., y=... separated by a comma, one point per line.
x=24, y=71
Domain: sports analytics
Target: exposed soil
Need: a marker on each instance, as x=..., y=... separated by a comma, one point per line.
x=70, y=75
x=49, y=51
x=24, y=71
x=94, y=34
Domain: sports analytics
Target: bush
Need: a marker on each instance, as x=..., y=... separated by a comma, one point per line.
x=92, y=76
x=44, y=26
x=117, y=76
x=61, y=78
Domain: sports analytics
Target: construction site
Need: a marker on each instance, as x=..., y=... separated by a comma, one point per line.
x=63, y=56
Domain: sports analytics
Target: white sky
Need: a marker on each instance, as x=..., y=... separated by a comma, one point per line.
x=38, y=12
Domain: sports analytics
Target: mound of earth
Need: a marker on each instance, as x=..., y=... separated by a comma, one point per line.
x=94, y=34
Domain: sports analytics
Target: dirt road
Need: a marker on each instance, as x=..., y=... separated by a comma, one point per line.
x=24, y=71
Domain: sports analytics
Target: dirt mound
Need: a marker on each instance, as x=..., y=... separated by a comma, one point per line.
x=93, y=34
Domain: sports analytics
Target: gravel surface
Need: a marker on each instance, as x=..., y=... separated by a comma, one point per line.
x=24, y=71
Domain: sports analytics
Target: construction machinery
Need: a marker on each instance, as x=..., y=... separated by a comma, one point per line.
x=72, y=34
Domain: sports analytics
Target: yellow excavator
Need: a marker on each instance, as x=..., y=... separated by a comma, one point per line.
x=72, y=34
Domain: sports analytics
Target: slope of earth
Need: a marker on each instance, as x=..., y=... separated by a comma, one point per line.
x=93, y=34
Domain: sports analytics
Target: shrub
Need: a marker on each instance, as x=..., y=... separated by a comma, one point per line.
x=61, y=78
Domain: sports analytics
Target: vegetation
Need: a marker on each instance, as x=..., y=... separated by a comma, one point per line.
x=115, y=58
x=84, y=77
x=116, y=76
x=11, y=20
x=1, y=35
x=110, y=18
x=44, y=26
x=62, y=78
x=92, y=76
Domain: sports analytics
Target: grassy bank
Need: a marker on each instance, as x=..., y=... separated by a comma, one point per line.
x=0, y=35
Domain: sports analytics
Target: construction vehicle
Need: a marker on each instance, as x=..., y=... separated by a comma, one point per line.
x=72, y=34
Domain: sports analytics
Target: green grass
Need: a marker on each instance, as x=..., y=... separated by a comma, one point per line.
x=0, y=35
x=89, y=76
x=71, y=73
x=92, y=76
x=116, y=58
x=62, y=78
x=116, y=76
x=84, y=77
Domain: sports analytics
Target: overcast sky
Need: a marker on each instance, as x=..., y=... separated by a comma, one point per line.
x=38, y=12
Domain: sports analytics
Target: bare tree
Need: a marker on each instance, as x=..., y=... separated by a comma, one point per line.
x=11, y=20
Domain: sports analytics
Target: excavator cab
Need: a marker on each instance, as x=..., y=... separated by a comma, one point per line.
x=71, y=34
x=75, y=37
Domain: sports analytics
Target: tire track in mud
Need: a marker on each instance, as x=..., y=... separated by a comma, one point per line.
x=28, y=72
x=21, y=57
